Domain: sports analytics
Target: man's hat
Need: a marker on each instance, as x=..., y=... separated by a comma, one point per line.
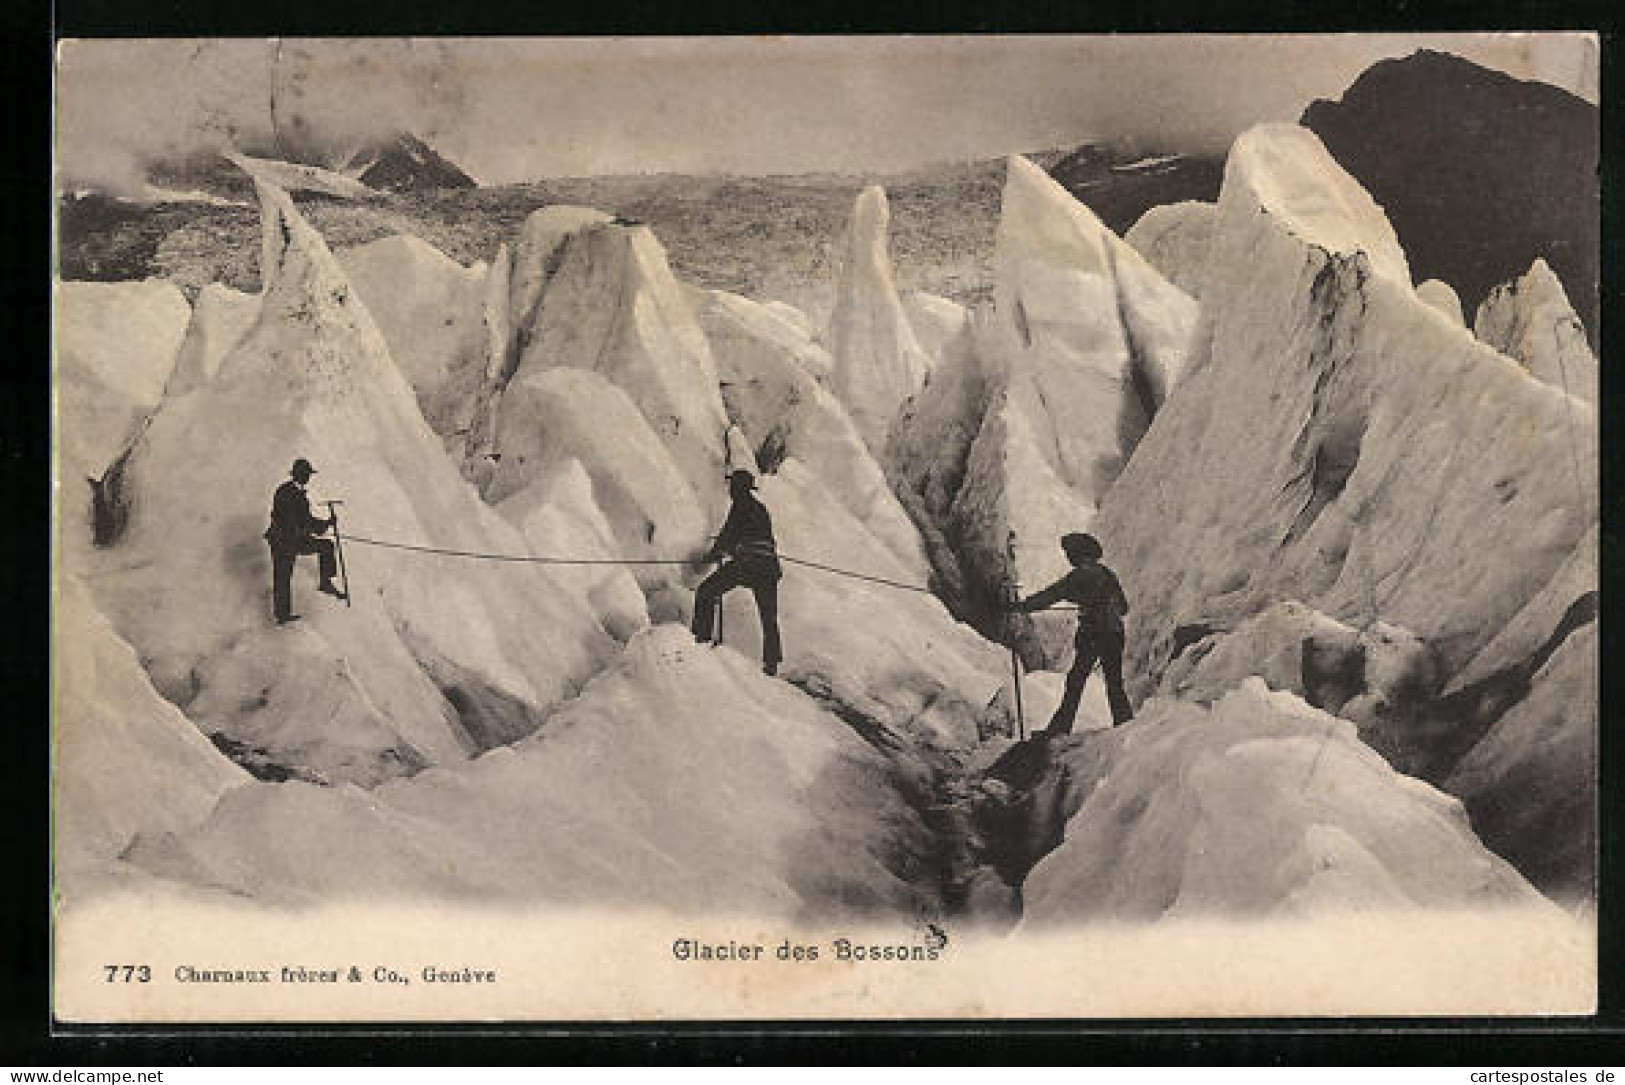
x=1079, y=541
x=742, y=477
x=302, y=465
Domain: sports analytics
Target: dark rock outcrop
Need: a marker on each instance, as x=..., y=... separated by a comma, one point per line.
x=1480, y=173
x=1119, y=184
x=404, y=163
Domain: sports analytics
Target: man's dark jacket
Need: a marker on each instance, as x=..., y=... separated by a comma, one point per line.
x=747, y=535
x=292, y=524
x=1100, y=599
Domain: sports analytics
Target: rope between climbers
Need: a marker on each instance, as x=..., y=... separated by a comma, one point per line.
x=539, y=559
x=528, y=558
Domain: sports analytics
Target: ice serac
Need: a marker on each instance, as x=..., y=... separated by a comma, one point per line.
x=112, y=728
x=1174, y=238
x=299, y=177
x=437, y=657
x=1032, y=412
x=683, y=780
x=221, y=317
x=936, y=320
x=1279, y=810
x=430, y=310
x=116, y=345
x=878, y=362
x=591, y=293
x=1532, y=322
x=1336, y=443
x=1443, y=297
x=783, y=411
x=559, y=516
x=551, y=416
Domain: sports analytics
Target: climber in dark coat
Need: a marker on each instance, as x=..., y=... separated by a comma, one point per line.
x=746, y=540
x=1101, y=607
x=293, y=532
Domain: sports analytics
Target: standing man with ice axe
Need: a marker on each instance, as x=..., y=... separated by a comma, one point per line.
x=1101, y=607
x=746, y=540
x=293, y=532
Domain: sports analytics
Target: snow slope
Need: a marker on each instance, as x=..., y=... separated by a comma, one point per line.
x=112, y=728
x=680, y=778
x=878, y=362
x=1532, y=322
x=1259, y=806
x=438, y=657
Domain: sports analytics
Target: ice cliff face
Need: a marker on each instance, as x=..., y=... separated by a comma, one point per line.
x=1337, y=443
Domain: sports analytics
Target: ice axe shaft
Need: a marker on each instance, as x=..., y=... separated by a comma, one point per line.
x=1014, y=590
x=1015, y=669
x=338, y=547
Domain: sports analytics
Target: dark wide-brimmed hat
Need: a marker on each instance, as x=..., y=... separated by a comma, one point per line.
x=302, y=466
x=743, y=478
x=1080, y=543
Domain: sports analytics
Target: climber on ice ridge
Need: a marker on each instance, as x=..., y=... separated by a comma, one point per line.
x=746, y=540
x=1101, y=606
x=294, y=531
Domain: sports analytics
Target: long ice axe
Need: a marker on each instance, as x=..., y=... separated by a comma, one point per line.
x=338, y=547
x=1014, y=590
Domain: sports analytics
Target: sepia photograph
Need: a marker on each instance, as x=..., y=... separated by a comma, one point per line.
x=825, y=528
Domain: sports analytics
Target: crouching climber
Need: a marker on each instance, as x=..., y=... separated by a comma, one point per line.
x=293, y=532
x=746, y=540
x=1101, y=607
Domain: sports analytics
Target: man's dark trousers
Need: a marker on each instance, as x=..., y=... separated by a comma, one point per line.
x=282, y=559
x=763, y=582
x=1106, y=646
